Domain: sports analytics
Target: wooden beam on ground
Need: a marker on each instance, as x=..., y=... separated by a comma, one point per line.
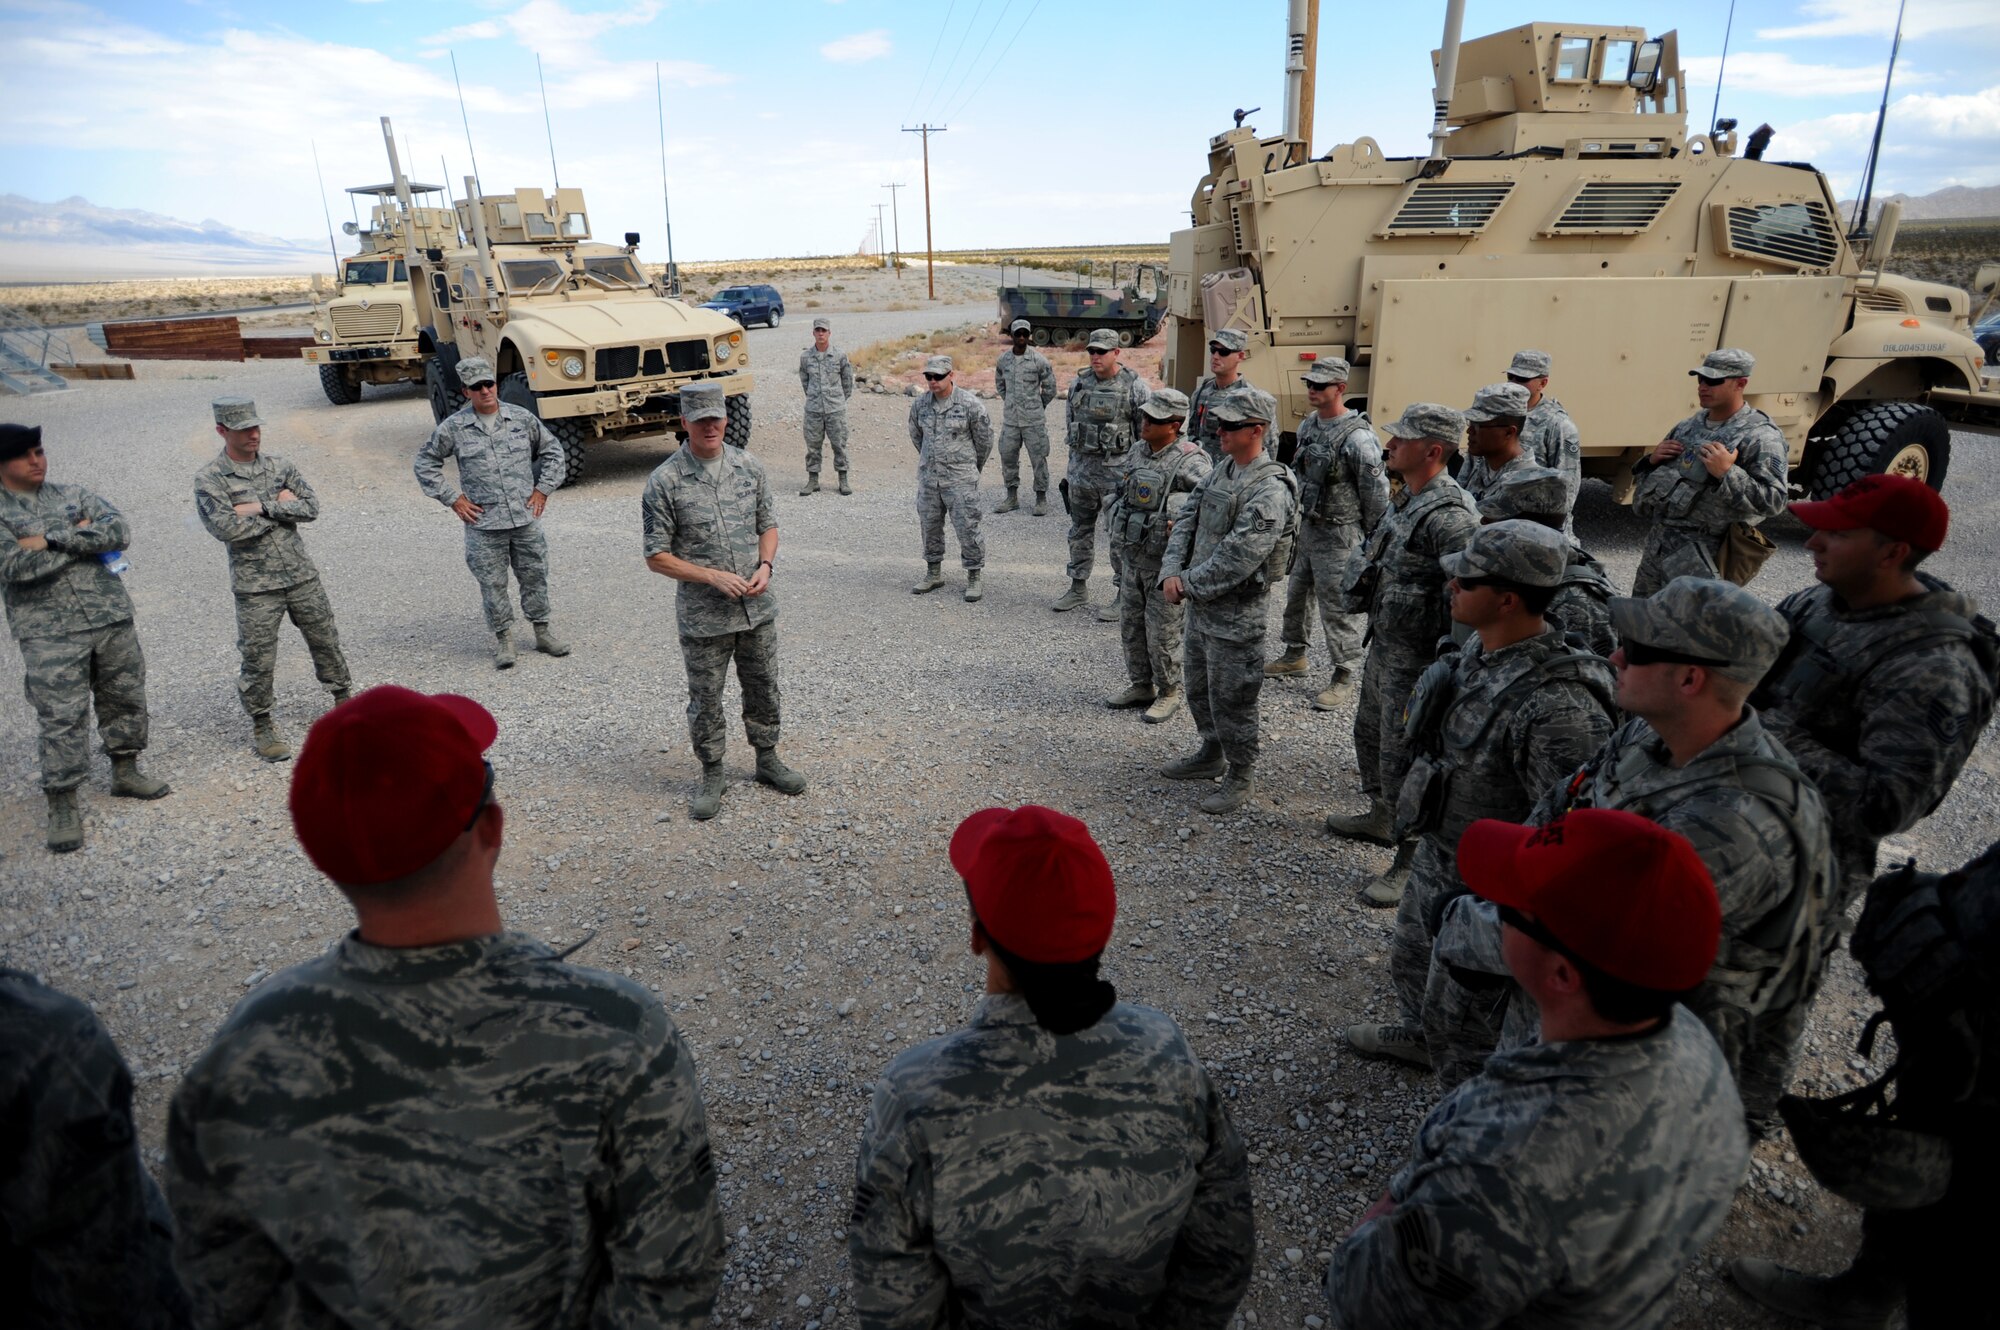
x=276, y=346
x=211, y=338
x=97, y=369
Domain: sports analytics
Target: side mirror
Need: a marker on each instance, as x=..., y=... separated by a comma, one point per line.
x=1646, y=65
x=350, y=228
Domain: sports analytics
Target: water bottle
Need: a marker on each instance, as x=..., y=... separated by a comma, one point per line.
x=114, y=562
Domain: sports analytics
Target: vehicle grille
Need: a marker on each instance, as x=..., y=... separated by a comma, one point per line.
x=617, y=362
x=1447, y=208
x=654, y=364
x=686, y=357
x=1801, y=235
x=1613, y=208
x=1881, y=299
x=352, y=321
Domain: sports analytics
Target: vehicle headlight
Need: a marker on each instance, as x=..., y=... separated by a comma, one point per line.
x=725, y=348
x=572, y=367
x=324, y=335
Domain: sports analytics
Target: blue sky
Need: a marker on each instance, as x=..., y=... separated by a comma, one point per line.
x=1068, y=123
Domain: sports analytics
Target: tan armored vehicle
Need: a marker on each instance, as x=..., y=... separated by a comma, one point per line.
x=365, y=329
x=1564, y=206
x=576, y=330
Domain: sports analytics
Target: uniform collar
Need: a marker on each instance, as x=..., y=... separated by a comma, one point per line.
x=235, y=467
x=422, y=965
x=1569, y=1059
x=1002, y=1009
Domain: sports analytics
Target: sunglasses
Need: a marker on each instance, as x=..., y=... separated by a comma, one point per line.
x=1476, y=583
x=1707, y=382
x=937, y=378
x=1519, y=379
x=1218, y=349
x=1641, y=653
x=479, y=387
x=1102, y=350
x=485, y=797
x=1531, y=927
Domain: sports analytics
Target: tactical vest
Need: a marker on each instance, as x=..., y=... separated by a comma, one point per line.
x=1100, y=413
x=1142, y=502
x=1387, y=556
x=1691, y=482
x=1216, y=518
x=1323, y=495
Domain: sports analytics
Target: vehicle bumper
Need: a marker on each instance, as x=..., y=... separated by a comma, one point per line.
x=341, y=355
x=645, y=404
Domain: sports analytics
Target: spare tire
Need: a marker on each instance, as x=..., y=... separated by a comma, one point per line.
x=1896, y=438
x=441, y=383
x=737, y=432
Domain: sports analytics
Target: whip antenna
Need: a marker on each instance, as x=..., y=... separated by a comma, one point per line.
x=666, y=203
x=325, y=211
x=463, y=120
x=1728, y=28
x=547, y=128
x=1860, y=222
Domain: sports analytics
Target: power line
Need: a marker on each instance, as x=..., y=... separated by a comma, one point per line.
x=973, y=63
x=956, y=51
x=998, y=59
x=918, y=95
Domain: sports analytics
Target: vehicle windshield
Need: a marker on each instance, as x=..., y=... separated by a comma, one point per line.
x=532, y=276
x=615, y=270
x=374, y=272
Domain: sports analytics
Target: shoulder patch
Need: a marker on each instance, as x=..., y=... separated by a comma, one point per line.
x=1948, y=724
x=1417, y=1251
x=864, y=1199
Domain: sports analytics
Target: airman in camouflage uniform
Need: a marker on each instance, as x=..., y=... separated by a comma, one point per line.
x=1582, y=604
x=1224, y=557
x=1550, y=437
x=1142, y=513
x=953, y=437
x=508, y=465
x=1227, y=351
x=1724, y=464
x=253, y=502
x=1493, y=438
x=84, y=1231
x=1103, y=411
x=1343, y=497
x=1491, y=726
x=826, y=377
x=1398, y=579
x=1026, y=383
x=710, y=524
x=72, y=619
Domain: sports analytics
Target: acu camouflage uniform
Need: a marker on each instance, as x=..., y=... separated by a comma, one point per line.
x=1691, y=511
x=827, y=380
x=953, y=439
x=1551, y=438
x=1567, y=1185
x=713, y=516
x=1343, y=496
x=85, y=1239
x=1206, y=430
x=473, y=1135
x=1026, y=384
x=1582, y=603
x=1477, y=479
x=72, y=617
x=1103, y=421
x=1222, y=550
x=1141, y=513
x=1009, y=1179
x=502, y=458
x=269, y=570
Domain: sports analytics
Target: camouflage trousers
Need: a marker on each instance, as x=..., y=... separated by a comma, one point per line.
x=1472, y=1005
x=756, y=655
x=64, y=676
x=1324, y=549
x=1035, y=436
x=1433, y=883
x=489, y=554
x=826, y=427
x=1223, y=681
x=1092, y=483
x=1151, y=629
x=259, y=615
x=1675, y=551
x=960, y=498
x=1380, y=749
x=1761, y=1049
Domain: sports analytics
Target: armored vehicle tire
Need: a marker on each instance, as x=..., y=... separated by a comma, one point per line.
x=339, y=389
x=1125, y=337
x=1039, y=336
x=1893, y=438
x=440, y=382
x=568, y=432
x=737, y=431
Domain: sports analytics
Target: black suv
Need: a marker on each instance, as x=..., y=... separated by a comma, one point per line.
x=749, y=304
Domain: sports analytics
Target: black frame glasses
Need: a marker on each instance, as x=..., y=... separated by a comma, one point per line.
x=485, y=797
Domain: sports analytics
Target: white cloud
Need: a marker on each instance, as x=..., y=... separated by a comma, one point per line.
x=1775, y=74
x=1877, y=18
x=858, y=47
x=1931, y=140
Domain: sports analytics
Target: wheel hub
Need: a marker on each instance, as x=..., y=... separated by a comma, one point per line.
x=1912, y=460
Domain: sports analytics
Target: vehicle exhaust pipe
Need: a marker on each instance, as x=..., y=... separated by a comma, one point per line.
x=1447, y=79
x=1883, y=242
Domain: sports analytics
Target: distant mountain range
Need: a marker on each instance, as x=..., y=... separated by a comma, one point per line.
x=1943, y=205
x=75, y=240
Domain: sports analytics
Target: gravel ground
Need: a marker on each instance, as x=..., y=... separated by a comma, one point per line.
x=799, y=943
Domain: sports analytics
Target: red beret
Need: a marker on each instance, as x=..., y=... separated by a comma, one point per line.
x=387, y=780
x=1039, y=885
x=1900, y=507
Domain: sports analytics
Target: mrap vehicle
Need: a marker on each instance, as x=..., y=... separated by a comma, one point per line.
x=366, y=330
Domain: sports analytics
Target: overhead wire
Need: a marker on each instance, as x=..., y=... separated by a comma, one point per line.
x=968, y=99
x=942, y=27
x=945, y=77
x=951, y=98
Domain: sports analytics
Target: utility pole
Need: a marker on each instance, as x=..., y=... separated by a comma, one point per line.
x=896, y=222
x=930, y=251
x=881, y=235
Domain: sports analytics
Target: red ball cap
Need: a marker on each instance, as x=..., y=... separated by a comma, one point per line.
x=1039, y=885
x=1900, y=507
x=387, y=780
x=1622, y=892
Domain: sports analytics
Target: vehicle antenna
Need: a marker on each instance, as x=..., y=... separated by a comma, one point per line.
x=1727, y=29
x=1859, y=226
x=547, y=128
x=462, y=119
x=325, y=211
x=666, y=202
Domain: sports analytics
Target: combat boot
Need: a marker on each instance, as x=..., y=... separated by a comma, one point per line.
x=1011, y=502
x=772, y=771
x=707, y=801
x=1372, y=826
x=1041, y=504
x=1205, y=764
x=1232, y=794
x=341, y=695
x=972, y=588
x=1078, y=593
x=128, y=782
x=503, y=649
x=264, y=737
x=1164, y=706
x=1390, y=1041
x=1292, y=662
x=1839, y=1302
x=1135, y=695
x=933, y=579
x=1109, y=612
x=547, y=642
x=812, y=484
x=1336, y=693
x=65, y=822
x=1386, y=891
x=845, y=488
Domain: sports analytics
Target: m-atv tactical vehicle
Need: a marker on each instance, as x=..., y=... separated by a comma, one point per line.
x=1564, y=206
x=577, y=332
x=366, y=329
x=1065, y=312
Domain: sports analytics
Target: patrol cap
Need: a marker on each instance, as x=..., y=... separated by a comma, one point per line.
x=1331, y=369
x=1020, y=325
x=1525, y=491
x=703, y=401
x=1705, y=620
x=1251, y=408
x=938, y=365
x=1524, y=553
x=388, y=780
x=236, y=413
x=20, y=440
x=1726, y=364
x=1529, y=364
x=1038, y=883
x=822, y=325
x=1166, y=404
x=1496, y=400
x=475, y=369
x=1427, y=420
x=1233, y=338
x=1103, y=339
x=1618, y=891
x=1899, y=507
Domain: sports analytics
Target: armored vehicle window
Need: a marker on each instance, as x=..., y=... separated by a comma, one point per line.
x=1446, y=207
x=531, y=276
x=374, y=272
x=1617, y=57
x=574, y=226
x=540, y=227
x=1572, y=59
x=613, y=270
x=1799, y=234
